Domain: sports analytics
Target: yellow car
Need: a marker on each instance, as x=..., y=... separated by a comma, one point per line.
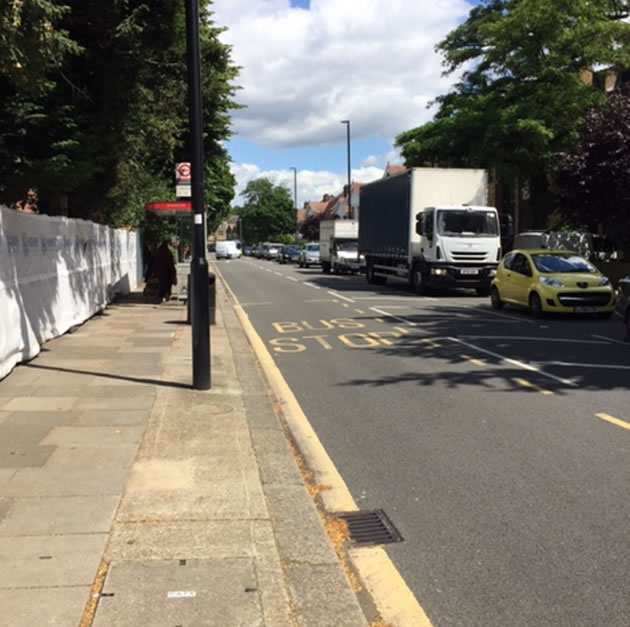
x=551, y=281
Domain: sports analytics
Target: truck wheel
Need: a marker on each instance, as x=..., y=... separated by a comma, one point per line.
x=336, y=269
x=418, y=283
x=325, y=267
x=372, y=278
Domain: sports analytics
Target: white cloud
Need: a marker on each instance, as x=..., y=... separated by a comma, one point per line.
x=311, y=185
x=372, y=62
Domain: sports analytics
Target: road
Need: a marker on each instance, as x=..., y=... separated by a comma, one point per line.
x=499, y=445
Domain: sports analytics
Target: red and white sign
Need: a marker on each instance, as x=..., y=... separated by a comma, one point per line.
x=183, y=172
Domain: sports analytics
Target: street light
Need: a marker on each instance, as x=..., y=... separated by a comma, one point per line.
x=295, y=199
x=199, y=276
x=350, y=213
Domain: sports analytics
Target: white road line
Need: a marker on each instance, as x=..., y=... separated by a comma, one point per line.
x=611, y=339
x=315, y=287
x=360, y=311
x=514, y=362
x=531, y=339
x=340, y=296
x=279, y=273
x=292, y=278
x=385, y=313
x=571, y=364
x=412, y=299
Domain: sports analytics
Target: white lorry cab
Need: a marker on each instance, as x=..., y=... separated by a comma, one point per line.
x=339, y=246
x=229, y=249
x=432, y=228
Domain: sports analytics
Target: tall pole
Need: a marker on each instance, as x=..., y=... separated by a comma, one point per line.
x=199, y=278
x=350, y=212
x=295, y=200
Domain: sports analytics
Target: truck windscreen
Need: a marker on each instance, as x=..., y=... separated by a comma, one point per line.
x=457, y=222
x=350, y=246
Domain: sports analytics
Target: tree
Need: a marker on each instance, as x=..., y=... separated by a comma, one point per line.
x=268, y=211
x=104, y=139
x=521, y=97
x=593, y=183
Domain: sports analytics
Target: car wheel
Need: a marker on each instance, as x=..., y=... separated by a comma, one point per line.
x=495, y=298
x=535, y=305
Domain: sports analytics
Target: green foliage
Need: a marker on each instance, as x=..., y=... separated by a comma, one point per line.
x=521, y=97
x=268, y=213
x=107, y=133
x=593, y=183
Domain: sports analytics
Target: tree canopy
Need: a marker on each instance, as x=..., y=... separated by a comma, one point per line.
x=268, y=213
x=522, y=95
x=109, y=119
x=593, y=183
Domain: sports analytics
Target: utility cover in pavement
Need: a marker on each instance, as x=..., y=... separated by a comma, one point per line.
x=371, y=527
x=165, y=593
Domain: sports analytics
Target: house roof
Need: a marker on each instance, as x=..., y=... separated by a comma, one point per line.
x=390, y=170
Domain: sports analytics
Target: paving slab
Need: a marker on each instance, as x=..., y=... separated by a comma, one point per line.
x=44, y=561
x=44, y=606
x=30, y=482
x=54, y=515
x=92, y=459
x=44, y=403
x=167, y=593
x=86, y=403
x=94, y=436
x=104, y=417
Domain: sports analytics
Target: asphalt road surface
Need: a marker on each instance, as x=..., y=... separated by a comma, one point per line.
x=499, y=445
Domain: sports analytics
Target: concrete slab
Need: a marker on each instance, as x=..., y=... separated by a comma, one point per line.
x=24, y=455
x=92, y=460
x=320, y=592
x=103, y=417
x=207, y=539
x=5, y=505
x=94, y=436
x=276, y=461
x=43, y=561
x=44, y=403
x=5, y=476
x=294, y=516
x=51, y=516
x=164, y=594
x=29, y=482
x=45, y=420
x=43, y=606
x=87, y=403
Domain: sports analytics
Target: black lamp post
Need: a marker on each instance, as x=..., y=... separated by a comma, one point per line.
x=295, y=199
x=199, y=277
x=350, y=212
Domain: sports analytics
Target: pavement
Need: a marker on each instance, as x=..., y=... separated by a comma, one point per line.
x=128, y=498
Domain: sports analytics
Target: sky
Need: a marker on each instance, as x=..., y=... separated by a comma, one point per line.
x=308, y=65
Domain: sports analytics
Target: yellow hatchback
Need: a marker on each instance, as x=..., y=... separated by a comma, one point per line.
x=551, y=281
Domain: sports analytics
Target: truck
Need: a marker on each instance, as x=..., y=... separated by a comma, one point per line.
x=431, y=227
x=339, y=246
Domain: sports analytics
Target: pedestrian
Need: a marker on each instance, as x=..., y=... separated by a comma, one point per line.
x=165, y=271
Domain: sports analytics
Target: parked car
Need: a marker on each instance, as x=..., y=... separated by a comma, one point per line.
x=248, y=251
x=623, y=302
x=271, y=250
x=545, y=281
x=290, y=253
x=309, y=255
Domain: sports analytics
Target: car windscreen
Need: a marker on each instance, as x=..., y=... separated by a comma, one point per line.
x=456, y=222
x=312, y=247
x=552, y=263
x=348, y=246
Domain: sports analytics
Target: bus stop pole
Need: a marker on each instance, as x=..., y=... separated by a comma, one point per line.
x=199, y=265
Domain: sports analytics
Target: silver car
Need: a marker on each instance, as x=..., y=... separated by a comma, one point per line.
x=309, y=256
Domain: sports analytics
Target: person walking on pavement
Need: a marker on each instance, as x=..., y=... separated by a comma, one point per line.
x=164, y=270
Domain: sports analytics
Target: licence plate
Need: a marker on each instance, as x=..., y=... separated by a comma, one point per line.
x=585, y=309
x=469, y=271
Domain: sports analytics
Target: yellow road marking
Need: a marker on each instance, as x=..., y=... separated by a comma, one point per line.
x=431, y=343
x=620, y=423
x=379, y=320
x=395, y=602
x=472, y=360
x=533, y=386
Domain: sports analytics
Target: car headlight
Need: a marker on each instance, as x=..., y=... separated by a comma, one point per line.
x=438, y=271
x=546, y=280
x=604, y=281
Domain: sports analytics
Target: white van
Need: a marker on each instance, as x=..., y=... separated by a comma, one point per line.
x=230, y=249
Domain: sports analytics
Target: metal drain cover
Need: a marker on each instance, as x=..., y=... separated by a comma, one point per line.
x=371, y=527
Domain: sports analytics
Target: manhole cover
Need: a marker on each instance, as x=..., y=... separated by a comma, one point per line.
x=371, y=527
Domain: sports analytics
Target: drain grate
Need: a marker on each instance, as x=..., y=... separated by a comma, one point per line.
x=371, y=527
